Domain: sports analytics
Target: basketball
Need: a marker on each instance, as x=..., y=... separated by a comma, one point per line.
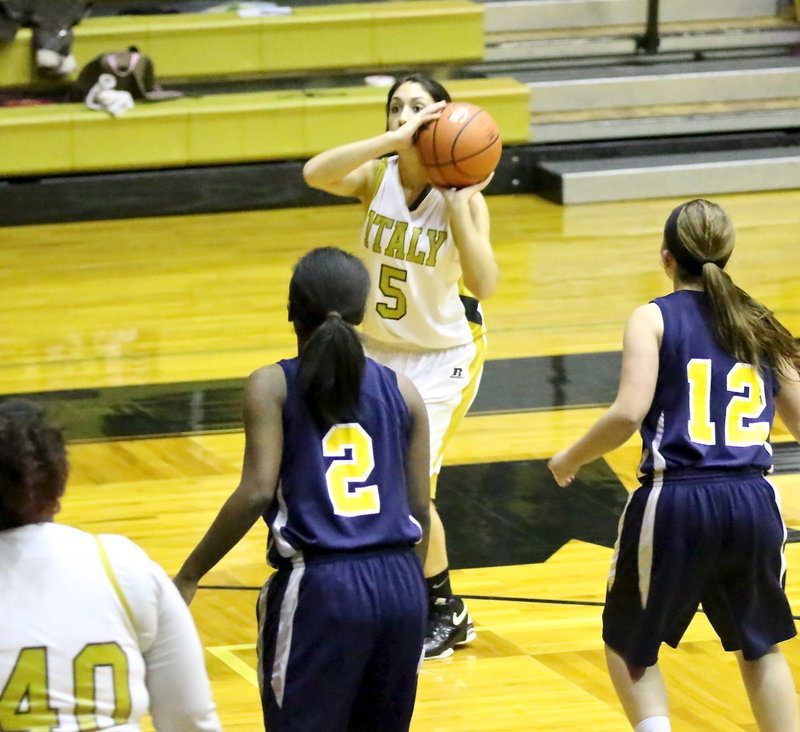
x=461, y=147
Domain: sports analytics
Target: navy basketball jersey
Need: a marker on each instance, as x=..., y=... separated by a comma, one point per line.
x=343, y=487
x=709, y=411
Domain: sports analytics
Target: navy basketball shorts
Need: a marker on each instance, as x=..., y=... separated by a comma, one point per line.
x=340, y=642
x=691, y=538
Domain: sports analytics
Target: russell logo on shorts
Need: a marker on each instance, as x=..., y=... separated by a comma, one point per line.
x=457, y=373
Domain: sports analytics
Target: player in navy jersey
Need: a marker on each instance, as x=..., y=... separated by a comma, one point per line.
x=336, y=461
x=704, y=370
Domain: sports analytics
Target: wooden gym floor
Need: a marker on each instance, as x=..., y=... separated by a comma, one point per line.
x=137, y=335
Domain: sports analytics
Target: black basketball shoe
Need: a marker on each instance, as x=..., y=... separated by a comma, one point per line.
x=449, y=625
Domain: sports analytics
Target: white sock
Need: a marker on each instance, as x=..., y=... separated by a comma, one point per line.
x=653, y=724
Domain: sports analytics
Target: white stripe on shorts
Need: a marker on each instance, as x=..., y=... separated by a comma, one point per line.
x=783, y=523
x=262, y=618
x=645, y=553
x=645, y=549
x=283, y=642
x=612, y=572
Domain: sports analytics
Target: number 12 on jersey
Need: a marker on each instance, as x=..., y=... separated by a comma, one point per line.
x=747, y=402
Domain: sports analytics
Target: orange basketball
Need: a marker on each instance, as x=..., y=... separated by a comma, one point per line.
x=461, y=147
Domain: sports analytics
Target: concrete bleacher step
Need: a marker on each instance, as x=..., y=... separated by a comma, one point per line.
x=584, y=45
x=662, y=81
x=666, y=120
x=662, y=97
x=518, y=15
x=593, y=179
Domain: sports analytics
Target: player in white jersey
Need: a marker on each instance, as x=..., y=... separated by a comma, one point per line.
x=430, y=260
x=93, y=633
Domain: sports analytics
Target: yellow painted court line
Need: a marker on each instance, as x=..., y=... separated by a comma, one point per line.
x=229, y=658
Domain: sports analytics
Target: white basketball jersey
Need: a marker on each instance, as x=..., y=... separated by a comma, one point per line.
x=415, y=270
x=72, y=651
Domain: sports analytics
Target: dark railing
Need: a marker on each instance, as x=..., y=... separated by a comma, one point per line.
x=651, y=39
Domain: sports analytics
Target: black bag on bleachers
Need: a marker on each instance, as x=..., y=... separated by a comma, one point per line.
x=133, y=71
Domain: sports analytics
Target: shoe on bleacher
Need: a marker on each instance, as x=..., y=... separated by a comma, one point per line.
x=449, y=625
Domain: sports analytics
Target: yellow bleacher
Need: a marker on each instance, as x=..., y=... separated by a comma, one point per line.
x=254, y=126
x=222, y=128
x=325, y=38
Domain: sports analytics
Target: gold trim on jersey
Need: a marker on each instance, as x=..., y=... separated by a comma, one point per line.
x=467, y=395
x=113, y=579
x=376, y=184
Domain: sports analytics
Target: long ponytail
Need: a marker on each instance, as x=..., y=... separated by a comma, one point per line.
x=746, y=328
x=700, y=235
x=327, y=297
x=331, y=367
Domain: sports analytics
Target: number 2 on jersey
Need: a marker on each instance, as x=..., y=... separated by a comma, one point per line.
x=348, y=469
x=748, y=402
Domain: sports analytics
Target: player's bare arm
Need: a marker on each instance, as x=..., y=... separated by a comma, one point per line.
x=787, y=400
x=635, y=395
x=349, y=170
x=469, y=223
x=264, y=395
x=417, y=474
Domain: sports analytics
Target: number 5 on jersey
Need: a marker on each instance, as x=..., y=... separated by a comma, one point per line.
x=388, y=287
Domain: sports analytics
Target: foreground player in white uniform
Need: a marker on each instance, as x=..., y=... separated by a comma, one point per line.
x=430, y=260
x=93, y=634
